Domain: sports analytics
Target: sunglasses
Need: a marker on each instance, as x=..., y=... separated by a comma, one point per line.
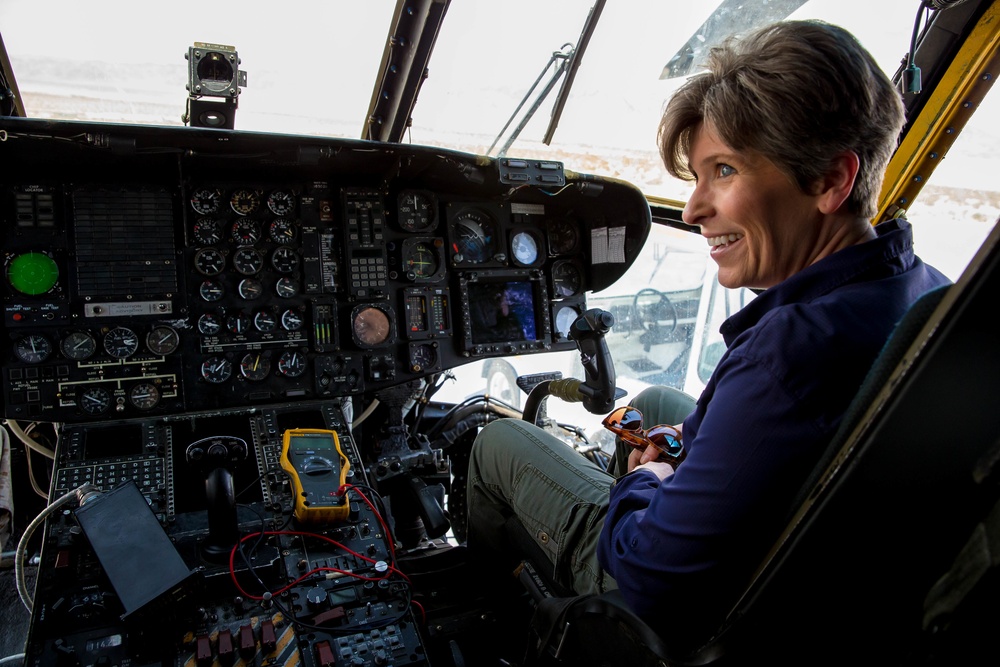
x=626, y=423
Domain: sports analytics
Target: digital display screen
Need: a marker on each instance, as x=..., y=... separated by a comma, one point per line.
x=502, y=311
x=112, y=441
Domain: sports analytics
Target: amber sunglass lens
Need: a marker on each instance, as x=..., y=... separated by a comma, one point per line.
x=614, y=420
x=630, y=419
x=665, y=437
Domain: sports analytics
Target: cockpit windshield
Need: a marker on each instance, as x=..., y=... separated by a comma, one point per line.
x=312, y=67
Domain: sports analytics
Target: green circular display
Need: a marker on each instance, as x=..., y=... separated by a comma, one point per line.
x=32, y=273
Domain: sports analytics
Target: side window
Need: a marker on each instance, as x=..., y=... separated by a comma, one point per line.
x=720, y=303
x=958, y=207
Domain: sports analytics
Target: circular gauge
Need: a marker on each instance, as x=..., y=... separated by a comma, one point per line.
x=121, y=342
x=524, y=248
x=216, y=369
x=370, y=326
x=248, y=261
x=33, y=348
x=238, y=323
x=32, y=273
x=211, y=291
x=282, y=231
x=207, y=231
x=264, y=321
x=209, y=324
x=291, y=364
x=162, y=340
x=78, y=345
x=206, y=201
x=422, y=357
x=255, y=366
x=94, y=401
x=566, y=279
x=291, y=320
x=284, y=259
x=245, y=231
x=244, y=201
x=473, y=238
x=565, y=316
x=564, y=236
x=250, y=288
x=416, y=211
x=144, y=396
x=286, y=288
x=281, y=202
x=209, y=261
x=421, y=261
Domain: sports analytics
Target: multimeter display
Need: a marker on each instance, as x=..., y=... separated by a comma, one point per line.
x=317, y=469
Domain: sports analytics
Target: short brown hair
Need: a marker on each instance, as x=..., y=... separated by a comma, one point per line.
x=799, y=93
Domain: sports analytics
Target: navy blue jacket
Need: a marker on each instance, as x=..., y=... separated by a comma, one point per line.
x=682, y=550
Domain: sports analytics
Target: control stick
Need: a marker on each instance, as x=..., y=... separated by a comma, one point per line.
x=215, y=456
x=597, y=391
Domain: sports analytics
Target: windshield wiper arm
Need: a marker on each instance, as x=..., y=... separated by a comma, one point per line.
x=561, y=60
x=574, y=65
x=567, y=61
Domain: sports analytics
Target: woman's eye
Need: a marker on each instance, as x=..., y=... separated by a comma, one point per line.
x=725, y=170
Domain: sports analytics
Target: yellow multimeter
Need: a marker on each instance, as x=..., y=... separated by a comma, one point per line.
x=317, y=469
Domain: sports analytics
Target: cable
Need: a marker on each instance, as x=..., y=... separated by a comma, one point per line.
x=22, y=546
x=911, y=75
x=12, y=658
x=364, y=415
x=31, y=476
x=28, y=441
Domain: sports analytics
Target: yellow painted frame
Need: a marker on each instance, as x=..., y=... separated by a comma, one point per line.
x=958, y=94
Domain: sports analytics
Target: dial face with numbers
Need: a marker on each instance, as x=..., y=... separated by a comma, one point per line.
x=244, y=201
x=206, y=201
x=255, y=366
x=415, y=210
x=216, y=369
x=291, y=364
x=121, y=342
x=94, y=400
x=33, y=348
x=281, y=202
x=78, y=345
x=245, y=232
x=282, y=230
x=144, y=396
x=207, y=231
x=162, y=340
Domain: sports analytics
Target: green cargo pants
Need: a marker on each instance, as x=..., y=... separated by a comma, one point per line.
x=560, y=498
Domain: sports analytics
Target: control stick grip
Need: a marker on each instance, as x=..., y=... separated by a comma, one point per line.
x=598, y=390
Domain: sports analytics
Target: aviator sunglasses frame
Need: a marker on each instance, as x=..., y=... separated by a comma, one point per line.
x=626, y=423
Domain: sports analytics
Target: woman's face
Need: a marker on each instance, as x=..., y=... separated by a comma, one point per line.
x=760, y=225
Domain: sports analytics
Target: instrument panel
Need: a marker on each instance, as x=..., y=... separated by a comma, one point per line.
x=158, y=271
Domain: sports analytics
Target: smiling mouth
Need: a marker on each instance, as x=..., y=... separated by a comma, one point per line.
x=725, y=239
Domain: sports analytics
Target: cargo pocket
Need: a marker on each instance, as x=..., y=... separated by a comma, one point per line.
x=557, y=520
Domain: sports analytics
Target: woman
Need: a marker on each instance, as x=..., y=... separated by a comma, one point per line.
x=787, y=137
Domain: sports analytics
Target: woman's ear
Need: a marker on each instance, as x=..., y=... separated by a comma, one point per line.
x=836, y=186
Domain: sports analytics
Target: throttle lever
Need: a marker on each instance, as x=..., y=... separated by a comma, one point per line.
x=598, y=391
